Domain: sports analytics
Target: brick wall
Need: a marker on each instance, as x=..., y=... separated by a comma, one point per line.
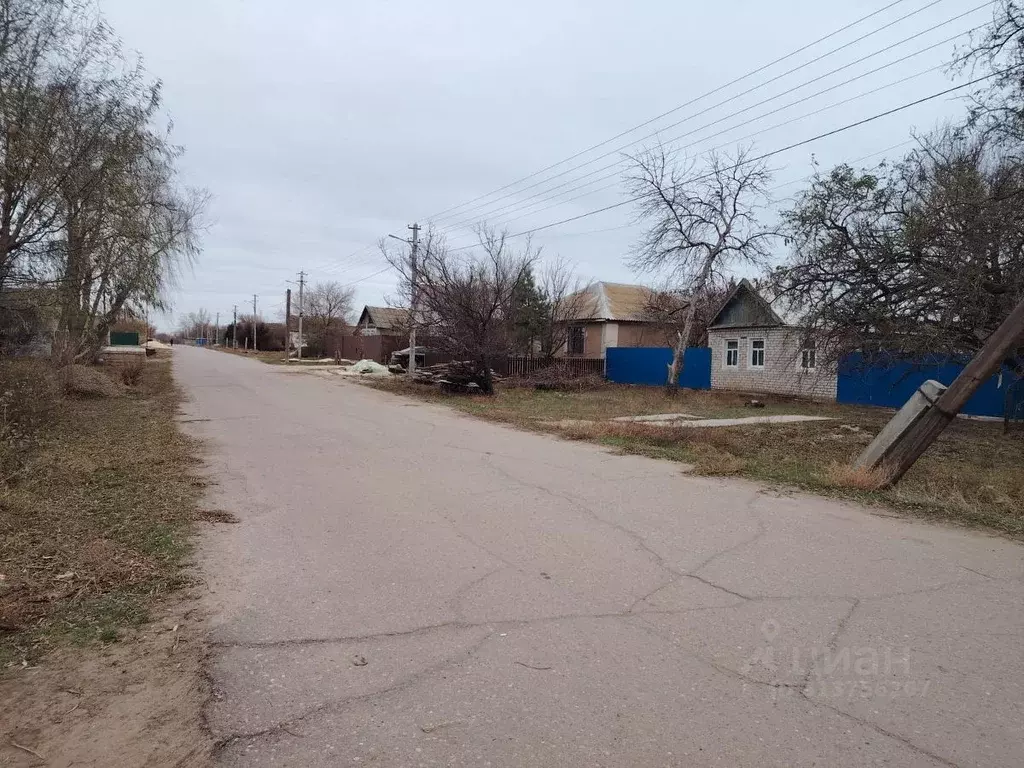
x=781, y=374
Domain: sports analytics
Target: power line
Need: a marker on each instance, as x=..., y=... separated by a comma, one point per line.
x=718, y=89
x=766, y=155
x=501, y=208
x=771, y=189
x=364, y=279
x=798, y=118
x=345, y=263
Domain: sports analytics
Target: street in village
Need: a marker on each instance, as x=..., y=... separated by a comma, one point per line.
x=410, y=586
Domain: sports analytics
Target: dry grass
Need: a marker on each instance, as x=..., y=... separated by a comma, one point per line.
x=131, y=373
x=91, y=381
x=525, y=405
x=972, y=475
x=857, y=478
x=94, y=516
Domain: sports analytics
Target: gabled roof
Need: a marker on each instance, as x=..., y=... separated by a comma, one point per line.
x=613, y=301
x=745, y=308
x=385, y=318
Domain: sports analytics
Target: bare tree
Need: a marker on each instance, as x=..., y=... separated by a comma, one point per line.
x=465, y=301
x=922, y=257
x=668, y=310
x=194, y=324
x=52, y=53
x=702, y=221
x=564, y=301
x=328, y=306
x=128, y=229
x=90, y=205
x=997, y=107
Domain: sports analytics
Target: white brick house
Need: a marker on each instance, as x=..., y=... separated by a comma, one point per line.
x=754, y=350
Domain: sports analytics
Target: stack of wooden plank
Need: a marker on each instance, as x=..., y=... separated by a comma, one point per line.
x=455, y=376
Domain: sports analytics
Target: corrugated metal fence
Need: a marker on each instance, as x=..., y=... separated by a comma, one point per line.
x=649, y=366
x=889, y=382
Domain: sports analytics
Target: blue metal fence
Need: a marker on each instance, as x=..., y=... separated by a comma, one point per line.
x=649, y=366
x=890, y=382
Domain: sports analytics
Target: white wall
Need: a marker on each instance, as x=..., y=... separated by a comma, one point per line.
x=782, y=372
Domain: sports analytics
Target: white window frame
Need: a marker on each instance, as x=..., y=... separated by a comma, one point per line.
x=812, y=348
x=750, y=359
x=725, y=358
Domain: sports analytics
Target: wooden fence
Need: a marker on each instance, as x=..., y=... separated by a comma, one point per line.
x=376, y=348
x=579, y=366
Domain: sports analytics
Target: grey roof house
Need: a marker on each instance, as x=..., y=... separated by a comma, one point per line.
x=755, y=350
x=383, y=321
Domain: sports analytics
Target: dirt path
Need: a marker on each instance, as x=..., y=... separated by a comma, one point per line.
x=408, y=586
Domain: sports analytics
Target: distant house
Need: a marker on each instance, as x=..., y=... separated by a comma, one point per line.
x=755, y=350
x=613, y=315
x=383, y=321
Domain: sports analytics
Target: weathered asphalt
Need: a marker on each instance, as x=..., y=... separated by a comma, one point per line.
x=525, y=601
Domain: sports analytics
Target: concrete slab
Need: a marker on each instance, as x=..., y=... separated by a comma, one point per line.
x=779, y=419
x=657, y=417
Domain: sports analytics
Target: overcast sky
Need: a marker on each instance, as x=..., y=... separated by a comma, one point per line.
x=321, y=125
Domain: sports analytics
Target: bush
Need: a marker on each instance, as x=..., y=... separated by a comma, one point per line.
x=90, y=381
x=558, y=377
x=131, y=373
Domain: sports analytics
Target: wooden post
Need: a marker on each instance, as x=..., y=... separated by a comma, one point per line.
x=917, y=439
x=287, y=322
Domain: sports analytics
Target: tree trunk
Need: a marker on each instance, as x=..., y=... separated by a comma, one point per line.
x=486, y=380
x=675, y=369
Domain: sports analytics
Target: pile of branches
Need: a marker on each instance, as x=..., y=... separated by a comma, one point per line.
x=558, y=377
x=457, y=377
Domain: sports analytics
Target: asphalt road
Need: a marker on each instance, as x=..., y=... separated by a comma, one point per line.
x=408, y=586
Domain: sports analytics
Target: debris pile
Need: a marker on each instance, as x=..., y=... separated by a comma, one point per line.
x=365, y=368
x=458, y=376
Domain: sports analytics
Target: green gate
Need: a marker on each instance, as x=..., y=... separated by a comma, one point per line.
x=124, y=338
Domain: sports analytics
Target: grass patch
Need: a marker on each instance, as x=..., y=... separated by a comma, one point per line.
x=972, y=475
x=95, y=514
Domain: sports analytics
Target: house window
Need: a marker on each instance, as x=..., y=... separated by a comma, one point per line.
x=577, y=340
x=808, y=356
x=732, y=353
x=757, y=353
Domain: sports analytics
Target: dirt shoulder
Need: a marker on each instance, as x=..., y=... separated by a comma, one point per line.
x=100, y=641
x=137, y=702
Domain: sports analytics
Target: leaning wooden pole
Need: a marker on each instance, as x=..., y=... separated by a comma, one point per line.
x=935, y=419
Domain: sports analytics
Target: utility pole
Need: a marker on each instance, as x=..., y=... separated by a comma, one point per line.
x=234, y=329
x=287, y=321
x=302, y=283
x=254, y=322
x=915, y=440
x=216, y=331
x=413, y=271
